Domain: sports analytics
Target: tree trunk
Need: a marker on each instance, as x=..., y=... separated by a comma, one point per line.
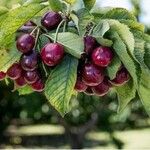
x=77, y=134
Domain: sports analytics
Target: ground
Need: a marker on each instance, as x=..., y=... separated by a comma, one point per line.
x=51, y=136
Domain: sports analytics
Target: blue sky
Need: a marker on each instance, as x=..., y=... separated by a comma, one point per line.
x=145, y=18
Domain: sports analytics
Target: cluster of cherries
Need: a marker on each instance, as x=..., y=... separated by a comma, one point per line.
x=26, y=70
x=91, y=72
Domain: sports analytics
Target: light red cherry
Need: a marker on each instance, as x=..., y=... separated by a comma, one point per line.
x=52, y=54
x=102, y=56
x=92, y=75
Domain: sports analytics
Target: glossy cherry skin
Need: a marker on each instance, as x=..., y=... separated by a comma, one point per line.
x=31, y=76
x=15, y=71
x=51, y=20
x=2, y=75
x=89, y=91
x=90, y=44
x=80, y=86
x=102, y=89
x=92, y=75
x=121, y=78
x=52, y=54
x=25, y=43
x=29, y=61
x=20, y=82
x=38, y=86
x=102, y=56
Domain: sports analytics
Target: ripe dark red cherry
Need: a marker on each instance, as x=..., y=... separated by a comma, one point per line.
x=51, y=20
x=80, y=86
x=31, y=76
x=14, y=72
x=20, y=82
x=38, y=86
x=92, y=75
x=89, y=91
x=2, y=75
x=52, y=54
x=102, y=89
x=25, y=43
x=89, y=44
x=29, y=61
x=121, y=78
x=102, y=56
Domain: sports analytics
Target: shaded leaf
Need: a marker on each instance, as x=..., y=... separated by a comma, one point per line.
x=25, y=90
x=113, y=68
x=15, y=19
x=8, y=57
x=60, y=84
x=89, y=4
x=125, y=94
x=55, y=5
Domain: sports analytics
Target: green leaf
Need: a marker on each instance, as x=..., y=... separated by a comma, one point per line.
x=70, y=1
x=33, y=2
x=101, y=28
x=104, y=42
x=75, y=20
x=25, y=90
x=144, y=90
x=147, y=55
x=89, y=4
x=121, y=51
x=3, y=10
x=73, y=44
x=125, y=35
x=113, y=68
x=15, y=19
x=113, y=13
x=60, y=84
x=125, y=94
x=8, y=57
x=55, y=5
x=84, y=19
x=133, y=24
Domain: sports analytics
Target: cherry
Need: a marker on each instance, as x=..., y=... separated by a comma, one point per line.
x=31, y=76
x=89, y=91
x=52, y=54
x=20, y=81
x=14, y=72
x=30, y=23
x=38, y=86
x=90, y=44
x=92, y=75
x=51, y=20
x=102, y=89
x=25, y=43
x=102, y=56
x=121, y=78
x=80, y=86
x=2, y=75
x=29, y=61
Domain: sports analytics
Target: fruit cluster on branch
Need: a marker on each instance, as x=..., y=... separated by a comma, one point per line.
x=92, y=79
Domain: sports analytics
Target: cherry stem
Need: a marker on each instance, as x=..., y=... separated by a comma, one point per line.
x=34, y=30
x=37, y=36
x=57, y=30
x=46, y=73
x=64, y=28
x=91, y=30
